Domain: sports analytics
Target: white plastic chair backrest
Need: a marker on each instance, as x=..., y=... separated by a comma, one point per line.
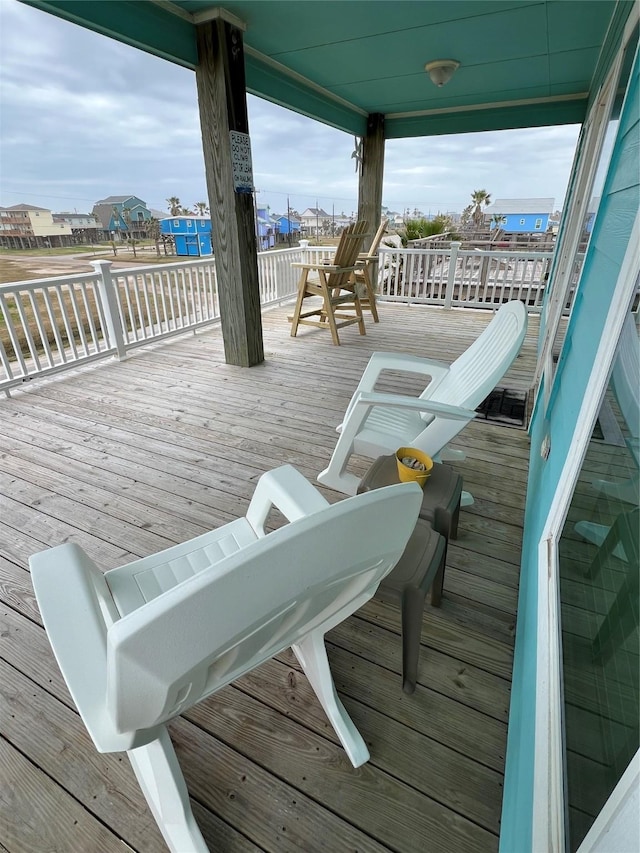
x=478, y=370
x=625, y=376
x=224, y=621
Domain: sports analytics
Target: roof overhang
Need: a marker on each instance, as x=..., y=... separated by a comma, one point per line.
x=523, y=63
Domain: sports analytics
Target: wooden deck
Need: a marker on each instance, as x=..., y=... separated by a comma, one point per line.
x=128, y=458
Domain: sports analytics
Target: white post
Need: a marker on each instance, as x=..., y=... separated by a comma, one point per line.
x=451, y=280
x=109, y=300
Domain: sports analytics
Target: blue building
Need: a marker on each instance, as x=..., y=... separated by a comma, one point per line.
x=122, y=216
x=520, y=215
x=191, y=234
x=288, y=225
x=266, y=229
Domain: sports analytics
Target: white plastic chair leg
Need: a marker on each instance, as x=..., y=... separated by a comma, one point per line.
x=466, y=499
x=162, y=783
x=312, y=655
x=335, y=474
x=451, y=454
x=626, y=491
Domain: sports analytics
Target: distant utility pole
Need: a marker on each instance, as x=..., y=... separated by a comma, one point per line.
x=288, y=220
x=317, y=222
x=255, y=192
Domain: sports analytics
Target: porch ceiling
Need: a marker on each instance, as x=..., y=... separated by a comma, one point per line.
x=522, y=64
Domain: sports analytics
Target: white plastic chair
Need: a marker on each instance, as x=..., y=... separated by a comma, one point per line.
x=141, y=644
x=377, y=423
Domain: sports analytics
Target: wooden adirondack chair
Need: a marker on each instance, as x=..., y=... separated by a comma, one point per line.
x=364, y=275
x=333, y=283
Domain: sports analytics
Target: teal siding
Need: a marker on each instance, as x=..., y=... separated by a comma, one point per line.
x=611, y=234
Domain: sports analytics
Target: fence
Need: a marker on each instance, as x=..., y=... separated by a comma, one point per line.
x=52, y=324
x=463, y=278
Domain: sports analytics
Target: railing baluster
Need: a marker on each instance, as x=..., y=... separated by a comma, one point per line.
x=78, y=319
x=13, y=337
x=71, y=338
x=33, y=351
x=95, y=339
x=54, y=326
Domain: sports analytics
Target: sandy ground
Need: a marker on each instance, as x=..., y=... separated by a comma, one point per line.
x=25, y=267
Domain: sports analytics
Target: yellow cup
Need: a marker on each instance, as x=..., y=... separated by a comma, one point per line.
x=408, y=474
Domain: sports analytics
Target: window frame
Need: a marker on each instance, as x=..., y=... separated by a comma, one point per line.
x=549, y=772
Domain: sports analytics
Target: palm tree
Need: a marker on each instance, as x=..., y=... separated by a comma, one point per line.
x=202, y=208
x=175, y=208
x=153, y=230
x=478, y=199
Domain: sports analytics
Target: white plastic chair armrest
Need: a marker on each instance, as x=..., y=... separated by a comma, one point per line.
x=417, y=404
x=286, y=489
x=380, y=361
x=77, y=610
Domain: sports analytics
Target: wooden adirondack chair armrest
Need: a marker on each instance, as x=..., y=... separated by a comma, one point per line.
x=286, y=489
x=323, y=267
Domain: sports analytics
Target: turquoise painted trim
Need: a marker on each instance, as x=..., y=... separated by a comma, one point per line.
x=611, y=233
x=137, y=22
x=495, y=118
x=267, y=82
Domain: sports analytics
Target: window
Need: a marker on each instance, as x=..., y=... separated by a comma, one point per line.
x=189, y=223
x=176, y=223
x=538, y=224
x=598, y=560
x=594, y=153
x=522, y=221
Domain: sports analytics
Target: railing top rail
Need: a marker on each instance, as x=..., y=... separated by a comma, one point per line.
x=285, y=251
x=478, y=253
x=38, y=283
x=516, y=253
x=188, y=262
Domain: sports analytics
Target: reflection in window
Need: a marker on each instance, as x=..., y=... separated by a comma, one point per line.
x=599, y=596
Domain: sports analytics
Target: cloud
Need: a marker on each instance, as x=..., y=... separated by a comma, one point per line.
x=84, y=117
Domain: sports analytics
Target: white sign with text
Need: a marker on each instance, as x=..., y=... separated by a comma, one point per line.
x=241, y=162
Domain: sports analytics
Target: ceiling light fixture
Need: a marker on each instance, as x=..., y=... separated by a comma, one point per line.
x=441, y=70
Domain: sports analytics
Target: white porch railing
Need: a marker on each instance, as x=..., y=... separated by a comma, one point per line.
x=463, y=278
x=49, y=325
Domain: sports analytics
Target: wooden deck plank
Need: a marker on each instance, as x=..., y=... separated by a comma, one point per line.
x=127, y=458
x=36, y=814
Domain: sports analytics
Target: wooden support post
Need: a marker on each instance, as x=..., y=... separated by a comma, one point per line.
x=223, y=108
x=371, y=173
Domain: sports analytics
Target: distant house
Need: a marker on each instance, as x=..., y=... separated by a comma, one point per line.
x=288, y=225
x=520, y=215
x=27, y=226
x=84, y=226
x=191, y=234
x=315, y=220
x=122, y=216
x=266, y=229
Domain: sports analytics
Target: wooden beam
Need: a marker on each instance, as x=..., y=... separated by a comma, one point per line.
x=223, y=109
x=371, y=173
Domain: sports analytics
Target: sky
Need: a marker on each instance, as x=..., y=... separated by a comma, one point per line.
x=83, y=117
